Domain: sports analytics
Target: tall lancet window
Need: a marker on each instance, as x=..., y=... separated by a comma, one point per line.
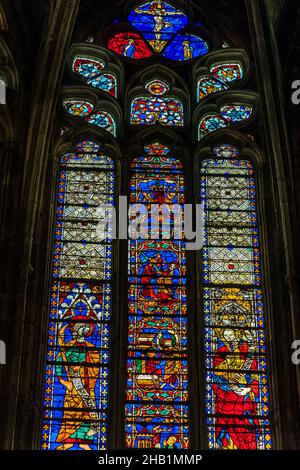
x=183, y=364
x=77, y=370
x=157, y=369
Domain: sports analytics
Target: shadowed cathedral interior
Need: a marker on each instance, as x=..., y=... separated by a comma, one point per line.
x=114, y=342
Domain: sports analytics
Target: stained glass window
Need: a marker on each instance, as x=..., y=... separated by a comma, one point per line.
x=78, y=108
x=104, y=120
x=156, y=108
x=186, y=47
x=210, y=123
x=230, y=115
x=157, y=381
x=88, y=68
x=236, y=113
x=77, y=369
x=129, y=45
x=92, y=72
x=159, y=25
x=207, y=86
x=84, y=109
x=237, y=399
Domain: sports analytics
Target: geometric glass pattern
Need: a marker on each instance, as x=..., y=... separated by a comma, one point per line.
x=78, y=108
x=157, y=87
x=237, y=397
x=104, y=120
x=159, y=28
x=157, y=109
x=236, y=113
x=92, y=72
x=158, y=21
x=157, y=371
x=84, y=109
x=227, y=73
x=77, y=368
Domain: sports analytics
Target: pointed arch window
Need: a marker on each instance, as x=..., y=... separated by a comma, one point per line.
x=157, y=370
x=160, y=28
x=77, y=369
x=219, y=77
x=237, y=397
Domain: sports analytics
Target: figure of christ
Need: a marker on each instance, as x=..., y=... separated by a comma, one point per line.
x=160, y=14
x=235, y=395
x=79, y=423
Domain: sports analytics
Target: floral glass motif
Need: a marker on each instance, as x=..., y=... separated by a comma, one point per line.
x=84, y=109
x=207, y=86
x=157, y=372
x=210, y=123
x=77, y=369
x=129, y=45
x=161, y=26
x=227, y=73
x=236, y=113
x=150, y=110
x=237, y=397
x=92, y=72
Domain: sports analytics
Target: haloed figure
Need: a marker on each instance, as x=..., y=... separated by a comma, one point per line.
x=79, y=422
